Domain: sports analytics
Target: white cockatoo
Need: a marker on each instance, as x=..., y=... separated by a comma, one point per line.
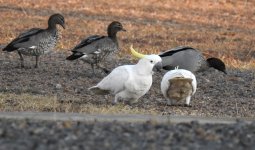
x=130, y=82
x=178, y=85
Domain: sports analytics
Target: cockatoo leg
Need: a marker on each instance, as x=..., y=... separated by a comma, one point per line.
x=116, y=98
x=188, y=101
x=171, y=102
x=133, y=101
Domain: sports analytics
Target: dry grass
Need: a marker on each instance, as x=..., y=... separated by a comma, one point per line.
x=222, y=28
x=28, y=102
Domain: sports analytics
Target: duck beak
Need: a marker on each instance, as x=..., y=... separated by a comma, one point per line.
x=157, y=67
x=63, y=25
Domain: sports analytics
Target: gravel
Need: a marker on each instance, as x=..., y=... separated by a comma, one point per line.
x=218, y=95
x=67, y=135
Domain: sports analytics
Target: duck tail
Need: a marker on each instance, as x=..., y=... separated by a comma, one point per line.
x=9, y=48
x=74, y=56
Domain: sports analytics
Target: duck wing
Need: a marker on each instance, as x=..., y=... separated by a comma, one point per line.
x=22, y=39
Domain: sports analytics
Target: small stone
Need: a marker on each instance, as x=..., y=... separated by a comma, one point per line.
x=58, y=86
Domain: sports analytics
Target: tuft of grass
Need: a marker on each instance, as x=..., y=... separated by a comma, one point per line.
x=40, y=103
x=26, y=102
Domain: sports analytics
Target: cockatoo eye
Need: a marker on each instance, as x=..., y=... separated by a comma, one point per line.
x=151, y=61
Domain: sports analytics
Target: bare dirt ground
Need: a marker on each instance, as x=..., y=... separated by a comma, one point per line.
x=217, y=95
x=221, y=29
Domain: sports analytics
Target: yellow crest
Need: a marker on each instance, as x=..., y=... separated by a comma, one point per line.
x=135, y=53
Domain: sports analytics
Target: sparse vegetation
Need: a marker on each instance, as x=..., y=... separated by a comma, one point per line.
x=29, y=102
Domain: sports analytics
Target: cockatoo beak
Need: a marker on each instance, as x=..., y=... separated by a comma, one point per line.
x=135, y=53
x=157, y=67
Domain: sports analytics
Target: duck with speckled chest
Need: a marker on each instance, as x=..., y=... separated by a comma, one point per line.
x=36, y=41
x=95, y=49
x=190, y=59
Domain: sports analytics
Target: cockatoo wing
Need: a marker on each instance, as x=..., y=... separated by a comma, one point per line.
x=115, y=81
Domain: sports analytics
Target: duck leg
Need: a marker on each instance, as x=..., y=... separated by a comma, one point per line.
x=93, y=69
x=36, y=61
x=105, y=70
x=21, y=59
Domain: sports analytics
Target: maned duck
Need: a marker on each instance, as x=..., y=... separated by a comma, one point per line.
x=95, y=49
x=190, y=59
x=36, y=41
x=130, y=82
x=178, y=85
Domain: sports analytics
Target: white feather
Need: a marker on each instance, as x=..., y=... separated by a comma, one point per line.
x=33, y=47
x=84, y=56
x=98, y=51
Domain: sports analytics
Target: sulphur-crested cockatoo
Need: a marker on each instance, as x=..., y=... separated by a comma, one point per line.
x=130, y=82
x=178, y=85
